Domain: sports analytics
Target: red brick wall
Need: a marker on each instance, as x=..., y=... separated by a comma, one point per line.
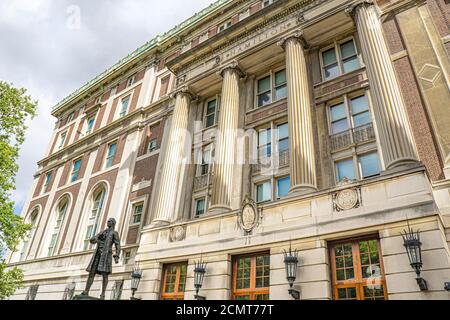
x=69, y=134
x=151, y=133
x=65, y=174
x=119, y=151
x=110, y=177
x=255, y=7
x=112, y=111
x=417, y=114
x=99, y=159
x=99, y=117
x=137, y=92
x=39, y=185
x=79, y=130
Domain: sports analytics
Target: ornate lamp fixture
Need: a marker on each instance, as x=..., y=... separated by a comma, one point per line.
x=136, y=276
x=199, y=274
x=413, y=246
x=291, y=264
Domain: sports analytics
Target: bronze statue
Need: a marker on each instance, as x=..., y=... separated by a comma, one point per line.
x=101, y=262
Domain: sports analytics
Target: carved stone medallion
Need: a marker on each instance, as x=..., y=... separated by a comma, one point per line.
x=177, y=233
x=249, y=215
x=346, y=199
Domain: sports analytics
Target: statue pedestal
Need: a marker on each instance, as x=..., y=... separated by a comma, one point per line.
x=84, y=297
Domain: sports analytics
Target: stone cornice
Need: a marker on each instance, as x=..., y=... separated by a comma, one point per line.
x=154, y=45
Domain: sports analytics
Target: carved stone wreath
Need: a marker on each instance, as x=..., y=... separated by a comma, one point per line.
x=177, y=233
x=249, y=216
x=347, y=199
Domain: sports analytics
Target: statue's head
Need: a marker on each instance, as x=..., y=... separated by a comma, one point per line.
x=111, y=223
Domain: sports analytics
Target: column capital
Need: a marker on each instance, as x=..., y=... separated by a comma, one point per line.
x=235, y=66
x=295, y=36
x=184, y=90
x=350, y=10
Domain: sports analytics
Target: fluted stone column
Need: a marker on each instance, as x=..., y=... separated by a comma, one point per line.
x=167, y=193
x=394, y=130
x=301, y=142
x=225, y=152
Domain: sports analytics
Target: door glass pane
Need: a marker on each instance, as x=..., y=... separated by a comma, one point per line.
x=344, y=169
x=374, y=292
x=347, y=293
x=244, y=297
x=370, y=164
x=182, y=284
x=262, y=297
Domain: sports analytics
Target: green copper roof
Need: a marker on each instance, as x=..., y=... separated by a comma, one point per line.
x=153, y=43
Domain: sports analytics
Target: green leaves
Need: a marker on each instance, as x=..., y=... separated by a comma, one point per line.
x=15, y=108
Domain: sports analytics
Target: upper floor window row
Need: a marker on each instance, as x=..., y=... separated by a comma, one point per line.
x=271, y=87
x=339, y=59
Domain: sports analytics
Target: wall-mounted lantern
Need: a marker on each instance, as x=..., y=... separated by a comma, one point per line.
x=413, y=246
x=199, y=275
x=136, y=276
x=291, y=264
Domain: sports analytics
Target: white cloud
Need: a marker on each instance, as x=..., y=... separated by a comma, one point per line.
x=41, y=53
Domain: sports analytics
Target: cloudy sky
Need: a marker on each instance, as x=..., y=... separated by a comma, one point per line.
x=52, y=47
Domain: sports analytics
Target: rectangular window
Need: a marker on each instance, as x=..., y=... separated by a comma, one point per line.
x=283, y=137
x=369, y=165
x=127, y=257
x=137, y=213
x=283, y=186
x=200, y=205
x=90, y=125
x=111, y=153
x=48, y=178
x=70, y=117
x=206, y=161
x=266, y=3
x=152, y=145
x=280, y=85
x=339, y=121
x=98, y=100
x=75, y=170
x=251, y=277
x=264, y=93
x=264, y=143
x=62, y=139
x=360, y=111
x=340, y=59
x=224, y=26
x=345, y=169
x=174, y=281
x=164, y=86
x=131, y=81
x=264, y=192
x=124, y=106
x=349, y=57
x=210, y=114
x=357, y=270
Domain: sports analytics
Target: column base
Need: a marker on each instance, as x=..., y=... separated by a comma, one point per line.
x=219, y=209
x=401, y=165
x=159, y=223
x=302, y=189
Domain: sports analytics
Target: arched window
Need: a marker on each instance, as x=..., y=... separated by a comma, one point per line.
x=95, y=213
x=33, y=219
x=61, y=211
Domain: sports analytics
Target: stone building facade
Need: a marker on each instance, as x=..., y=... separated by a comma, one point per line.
x=330, y=117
